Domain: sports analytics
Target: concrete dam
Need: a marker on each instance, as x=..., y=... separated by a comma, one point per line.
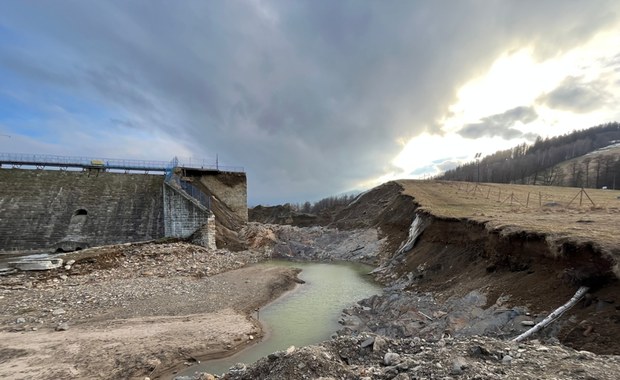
x=62, y=210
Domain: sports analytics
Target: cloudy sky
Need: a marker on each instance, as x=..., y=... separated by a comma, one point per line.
x=313, y=98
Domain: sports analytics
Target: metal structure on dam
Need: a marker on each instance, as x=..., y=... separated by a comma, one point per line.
x=90, y=201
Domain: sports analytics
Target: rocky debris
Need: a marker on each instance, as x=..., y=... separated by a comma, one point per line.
x=114, y=279
x=64, y=326
x=351, y=357
x=403, y=314
x=391, y=358
x=315, y=243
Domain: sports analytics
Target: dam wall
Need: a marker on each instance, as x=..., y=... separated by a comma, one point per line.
x=68, y=210
x=51, y=209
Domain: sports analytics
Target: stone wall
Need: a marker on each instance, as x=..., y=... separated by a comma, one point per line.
x=49, y=209
x=68, y=210
x=183, y=215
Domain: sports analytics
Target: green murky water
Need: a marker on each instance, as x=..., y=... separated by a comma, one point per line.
x=307, y=315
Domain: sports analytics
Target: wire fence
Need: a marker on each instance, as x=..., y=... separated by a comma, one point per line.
x=530, y=198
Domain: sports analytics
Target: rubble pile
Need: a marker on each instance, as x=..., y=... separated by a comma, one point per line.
x=118, y=280
x=370, y=356
x=315, y=243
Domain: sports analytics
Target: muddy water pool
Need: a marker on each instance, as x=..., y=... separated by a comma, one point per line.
x=307, y=315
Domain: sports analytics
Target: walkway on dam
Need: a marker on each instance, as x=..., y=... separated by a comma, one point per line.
x=41, y=161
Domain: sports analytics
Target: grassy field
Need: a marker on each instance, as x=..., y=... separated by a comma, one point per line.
x=591, y=215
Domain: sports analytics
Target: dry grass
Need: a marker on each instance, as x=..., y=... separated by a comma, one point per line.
x=558, y=212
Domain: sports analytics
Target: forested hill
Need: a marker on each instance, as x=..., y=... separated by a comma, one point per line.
x=539, y=163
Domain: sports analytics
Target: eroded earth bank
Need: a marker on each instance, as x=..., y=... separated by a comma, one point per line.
x=458, y=287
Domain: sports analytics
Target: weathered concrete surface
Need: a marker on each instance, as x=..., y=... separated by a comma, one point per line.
x=40, y=209
x=49, y=209
x=183, y=215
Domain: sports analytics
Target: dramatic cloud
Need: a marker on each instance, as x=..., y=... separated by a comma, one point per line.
x=577, y=95
x=500, y=124
x=311, y=97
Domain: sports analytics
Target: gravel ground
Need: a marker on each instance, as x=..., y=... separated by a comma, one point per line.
x=132, y=310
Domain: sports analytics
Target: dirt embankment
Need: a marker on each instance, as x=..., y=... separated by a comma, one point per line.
x=520, y=267
x=131, y=311
x=453, y=258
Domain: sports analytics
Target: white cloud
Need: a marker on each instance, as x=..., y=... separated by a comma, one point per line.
x=574, y=89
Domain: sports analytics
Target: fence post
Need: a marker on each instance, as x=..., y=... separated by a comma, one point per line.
x=488, y=192
x=527, y=202
x=593, y=204
x=539, y=199
x=499, y=195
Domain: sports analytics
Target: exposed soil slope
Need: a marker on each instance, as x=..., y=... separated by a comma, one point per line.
x=534, y=257
x=227, y=223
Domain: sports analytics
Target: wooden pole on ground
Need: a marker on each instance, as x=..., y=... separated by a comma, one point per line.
x=584, y=191
x=555, y=315
x=539, y=199
x=527, y=202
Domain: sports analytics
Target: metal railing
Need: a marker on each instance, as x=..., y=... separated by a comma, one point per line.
x=43, y=160
x=189, y=189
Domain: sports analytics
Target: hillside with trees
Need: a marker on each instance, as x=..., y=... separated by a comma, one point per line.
x=575, y=159
x=302, y=214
